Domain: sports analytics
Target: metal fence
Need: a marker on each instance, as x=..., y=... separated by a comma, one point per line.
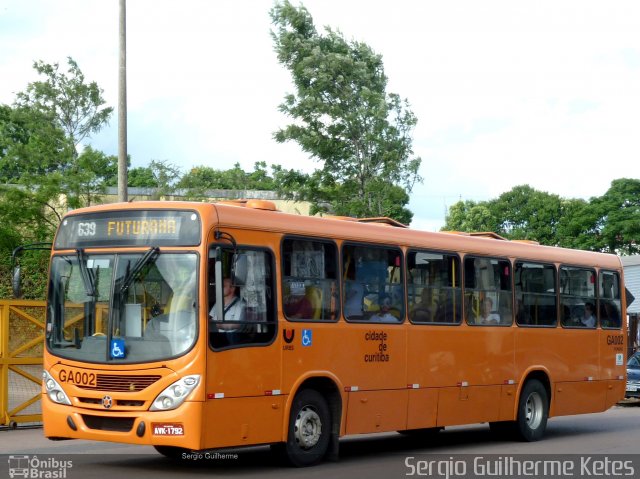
x=21, y=346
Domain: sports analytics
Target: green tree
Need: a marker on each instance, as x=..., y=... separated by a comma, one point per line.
x=576, y=228
x=521, y=213
x=141, y=177
x=34, y=154
x=201, y=179
x=609, y=223
x=77, y=105
x=470, y=216
x=616, y=218
x=161, y=175
x=89, y=177
x=345, y=119
x=259, y=178
x=39, y=162
x=38, y=155
x=32, y=145
x=525, y=213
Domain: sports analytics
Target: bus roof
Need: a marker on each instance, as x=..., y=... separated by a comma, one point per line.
x=261, y=216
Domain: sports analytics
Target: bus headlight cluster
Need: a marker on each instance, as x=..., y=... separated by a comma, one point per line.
x=54, y=391
x=175, y=394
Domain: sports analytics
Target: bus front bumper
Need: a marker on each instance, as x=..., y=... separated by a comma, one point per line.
x=180, y=427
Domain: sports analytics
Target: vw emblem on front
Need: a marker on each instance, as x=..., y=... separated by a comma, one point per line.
x=107, y=402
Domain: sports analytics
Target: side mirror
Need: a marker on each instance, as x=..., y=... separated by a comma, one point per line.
x=15, y=278
x=16, y=282
x=239, y=269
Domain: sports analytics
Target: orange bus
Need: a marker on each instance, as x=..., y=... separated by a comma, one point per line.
x=195, y=326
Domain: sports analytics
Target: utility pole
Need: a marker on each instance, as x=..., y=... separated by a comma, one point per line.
x=122, y=106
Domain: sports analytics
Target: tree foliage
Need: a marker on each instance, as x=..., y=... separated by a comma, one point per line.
x=470, y=216
x=32, y=145
x=610, y=223
x=34, y=156
x=89, y=176
x=39, y=136
x=161, y=175
x=614, y=219
x=77, y=106
x=41, y=173
x=201, y=179
x=343, y=116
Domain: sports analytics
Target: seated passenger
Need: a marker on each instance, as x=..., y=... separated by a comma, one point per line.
x=422, y=311
x=298, y=306
x=384, y=314
x=234, y=309
x=588, y=320
x=487, y=315
x=609, y=315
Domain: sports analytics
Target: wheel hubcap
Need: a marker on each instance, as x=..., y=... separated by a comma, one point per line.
x=307, y=428
x=533, y=410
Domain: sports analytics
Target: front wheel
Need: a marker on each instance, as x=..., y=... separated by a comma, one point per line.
x=533, y=411
x=309, y=429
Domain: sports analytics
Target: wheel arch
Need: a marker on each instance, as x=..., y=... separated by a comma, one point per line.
x=331, y=389
x=541, y=374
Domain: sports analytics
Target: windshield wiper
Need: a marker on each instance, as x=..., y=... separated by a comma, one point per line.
x=150, y=255
x=88, y=276
x=89, y=281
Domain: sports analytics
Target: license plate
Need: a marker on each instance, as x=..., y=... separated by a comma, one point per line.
x=632, y=388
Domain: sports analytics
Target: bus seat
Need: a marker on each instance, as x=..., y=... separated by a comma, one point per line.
x=314, y=296
x=370, y=303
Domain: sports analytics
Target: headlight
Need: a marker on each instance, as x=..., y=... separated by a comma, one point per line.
x=54, y=391
x=175, y=394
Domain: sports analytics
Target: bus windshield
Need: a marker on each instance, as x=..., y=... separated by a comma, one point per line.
x=122, y=308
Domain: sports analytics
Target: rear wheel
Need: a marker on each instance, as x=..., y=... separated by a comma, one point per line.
x=533, y=411
x=309, y=429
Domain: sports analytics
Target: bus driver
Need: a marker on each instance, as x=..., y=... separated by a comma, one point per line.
x=234, y=309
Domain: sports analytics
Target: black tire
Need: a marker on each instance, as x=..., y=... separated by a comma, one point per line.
x=309, y=430
x=533, y=411
x=172, y=452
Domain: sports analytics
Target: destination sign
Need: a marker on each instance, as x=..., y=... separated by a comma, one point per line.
x=129, y=228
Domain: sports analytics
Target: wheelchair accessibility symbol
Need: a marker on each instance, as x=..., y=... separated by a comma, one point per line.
x=117, y=348
x=307, y=337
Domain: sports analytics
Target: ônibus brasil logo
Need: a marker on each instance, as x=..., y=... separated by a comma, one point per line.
x=35, y=467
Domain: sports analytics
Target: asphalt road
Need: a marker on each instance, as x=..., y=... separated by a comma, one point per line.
x=595, y=444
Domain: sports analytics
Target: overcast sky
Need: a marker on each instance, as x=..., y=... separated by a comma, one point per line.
x=545, y=93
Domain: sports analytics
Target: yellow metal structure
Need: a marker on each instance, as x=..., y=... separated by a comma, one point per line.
x=21, y=347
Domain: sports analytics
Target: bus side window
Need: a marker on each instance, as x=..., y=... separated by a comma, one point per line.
x=309, y=280
x=375, y=272
x=257, y=324
x=577, y=297
x=609, y=299
x=488, y=291
x=434, y=285
x=536, y=293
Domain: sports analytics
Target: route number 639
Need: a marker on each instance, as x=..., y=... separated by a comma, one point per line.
x=86, y=229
